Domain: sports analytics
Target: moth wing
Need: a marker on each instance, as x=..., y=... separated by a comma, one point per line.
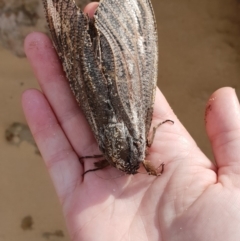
x=68, y=26
x=64, y=18
x=130, y=30
x=119, y=77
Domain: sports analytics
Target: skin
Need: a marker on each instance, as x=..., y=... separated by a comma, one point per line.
x=192, y=200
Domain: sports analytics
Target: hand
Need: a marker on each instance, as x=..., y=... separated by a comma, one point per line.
x=192, y=200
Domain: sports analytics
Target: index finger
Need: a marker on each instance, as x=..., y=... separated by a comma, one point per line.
x=51, y=78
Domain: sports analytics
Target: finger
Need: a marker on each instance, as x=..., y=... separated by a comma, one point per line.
x=172, y=142
x=223, y=128
x=162, y=111
x=54, y=85
x=61, y=161
x=51, y=78
x=91, y=8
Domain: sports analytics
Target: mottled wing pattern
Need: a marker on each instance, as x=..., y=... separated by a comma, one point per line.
x=70, y=30
x=130, y=29
x=64, y=20
x=111, y=64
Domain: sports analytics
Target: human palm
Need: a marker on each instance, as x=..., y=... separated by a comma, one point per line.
x=192, y=200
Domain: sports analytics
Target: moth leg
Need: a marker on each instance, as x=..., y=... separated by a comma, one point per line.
x=93, y=156
x=99, y=165
x=86, y=157
x=150, y=141
x=151, y=170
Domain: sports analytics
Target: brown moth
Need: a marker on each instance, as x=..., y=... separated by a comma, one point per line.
x=111, y=64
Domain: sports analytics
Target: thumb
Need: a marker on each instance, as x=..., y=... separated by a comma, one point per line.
x=223, y=129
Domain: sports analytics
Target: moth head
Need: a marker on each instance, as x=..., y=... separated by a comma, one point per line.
x=120, y=149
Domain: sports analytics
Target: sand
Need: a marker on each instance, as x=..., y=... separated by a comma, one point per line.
x=199, y=45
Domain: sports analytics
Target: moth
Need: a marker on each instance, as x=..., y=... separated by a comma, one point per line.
x=111, y=64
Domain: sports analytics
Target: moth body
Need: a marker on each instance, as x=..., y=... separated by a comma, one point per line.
x=111, y=64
